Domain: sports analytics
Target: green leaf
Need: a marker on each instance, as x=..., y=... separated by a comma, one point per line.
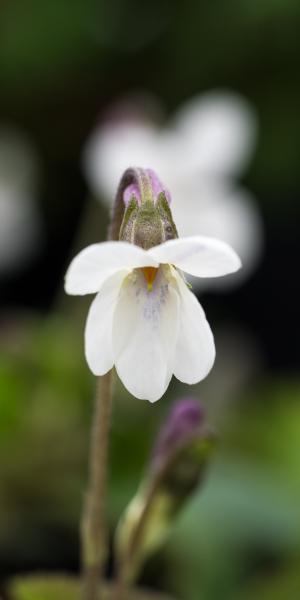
x=44, y=588
x=63, y=587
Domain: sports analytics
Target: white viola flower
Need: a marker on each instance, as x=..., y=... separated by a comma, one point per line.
x=20, y=227
x=199, y=154
x=145, y=320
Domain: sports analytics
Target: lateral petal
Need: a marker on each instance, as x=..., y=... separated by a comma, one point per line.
x=98, y=330
x=195, y=348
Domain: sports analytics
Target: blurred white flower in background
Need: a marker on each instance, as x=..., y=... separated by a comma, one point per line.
x=20, y=227
x=198, y=155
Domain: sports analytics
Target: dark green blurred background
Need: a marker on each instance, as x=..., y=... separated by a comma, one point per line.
x=62, y=63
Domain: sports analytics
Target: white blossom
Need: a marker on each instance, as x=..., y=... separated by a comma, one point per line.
x=144, y=319
x=199, y=154
x=20, y=226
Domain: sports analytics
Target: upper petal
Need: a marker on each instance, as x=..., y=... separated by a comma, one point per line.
x=218, y=208
x=195, y=348
x=98, y=330
x=115, y=145
x=216, y=132
x=198, y=255
x=93, y=265
x=144, y=335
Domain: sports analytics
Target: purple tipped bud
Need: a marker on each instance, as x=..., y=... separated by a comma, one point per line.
x=180, y=457
x=157, y=186
x=147, y=185
x=182, y=424
x=132, y=191
x=142, y=214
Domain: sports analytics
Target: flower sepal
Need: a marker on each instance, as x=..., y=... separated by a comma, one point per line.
x=147, y=220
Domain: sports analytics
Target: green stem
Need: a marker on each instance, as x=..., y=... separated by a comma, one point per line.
x=127, y=568
x=93, y=528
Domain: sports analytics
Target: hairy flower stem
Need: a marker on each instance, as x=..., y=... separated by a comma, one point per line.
x=93, y=529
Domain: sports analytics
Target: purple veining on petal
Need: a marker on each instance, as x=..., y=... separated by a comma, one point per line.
x=183, y=422
x=157, y=186
x=131, y=190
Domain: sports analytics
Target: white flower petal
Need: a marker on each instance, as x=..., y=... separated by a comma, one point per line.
x=20, y=226
x=217, y=208
x=20, y=229
x=113, y=147
x=93, y=265
x=144, y=335
x=216, y=133
x=199, y=256
x=98, y=330
x=195, y=349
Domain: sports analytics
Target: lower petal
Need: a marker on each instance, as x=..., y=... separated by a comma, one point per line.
x=195, y=348
x=144, y=335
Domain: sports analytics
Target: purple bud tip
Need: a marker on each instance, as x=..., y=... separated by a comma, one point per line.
x=156, y=187
x=131, y=190
x=184, y=420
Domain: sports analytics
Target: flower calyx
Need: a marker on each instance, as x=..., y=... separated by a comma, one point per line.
x=147, y=219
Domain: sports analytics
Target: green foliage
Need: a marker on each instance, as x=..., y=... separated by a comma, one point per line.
x=54, y=587
x=61, y=64
x=45, y=588
x=248, y=513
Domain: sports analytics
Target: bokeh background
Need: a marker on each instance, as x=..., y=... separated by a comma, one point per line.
x=63, y=66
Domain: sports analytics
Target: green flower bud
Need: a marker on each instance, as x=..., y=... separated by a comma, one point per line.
x=146, y=219
x=178, y=465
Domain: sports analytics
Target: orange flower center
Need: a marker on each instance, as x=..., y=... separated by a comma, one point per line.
x=149, y=274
